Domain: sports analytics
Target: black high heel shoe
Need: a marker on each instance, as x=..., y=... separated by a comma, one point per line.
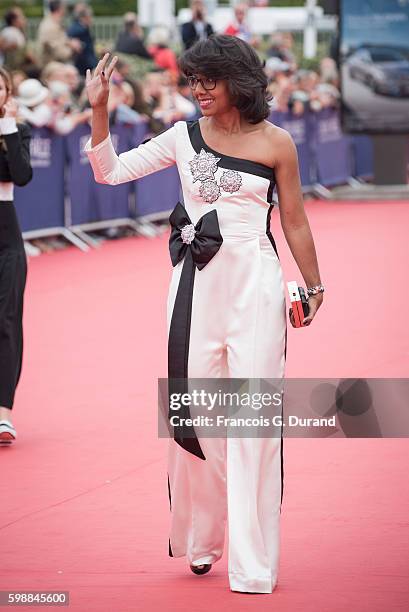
x=201, y=569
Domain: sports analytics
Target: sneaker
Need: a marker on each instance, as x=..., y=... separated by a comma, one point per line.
x=7, y=432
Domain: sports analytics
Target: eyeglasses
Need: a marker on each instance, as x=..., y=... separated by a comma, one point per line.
x=207, y=83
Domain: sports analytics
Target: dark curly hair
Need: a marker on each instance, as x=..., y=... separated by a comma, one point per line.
x=226, y=57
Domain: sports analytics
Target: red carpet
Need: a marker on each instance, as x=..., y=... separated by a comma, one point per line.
x=84, y=502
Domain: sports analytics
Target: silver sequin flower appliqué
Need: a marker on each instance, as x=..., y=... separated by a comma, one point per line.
x=210, y=191
x=203, y=168
x=230, y=181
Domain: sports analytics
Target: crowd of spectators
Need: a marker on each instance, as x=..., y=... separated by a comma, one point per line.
x=48, y=73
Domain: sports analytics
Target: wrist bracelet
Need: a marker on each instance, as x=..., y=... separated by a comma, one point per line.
x=316, y=289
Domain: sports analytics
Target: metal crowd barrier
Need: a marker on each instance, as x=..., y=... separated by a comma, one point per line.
x=63, y=197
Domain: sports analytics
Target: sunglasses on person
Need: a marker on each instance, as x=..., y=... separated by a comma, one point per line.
x=207, y=83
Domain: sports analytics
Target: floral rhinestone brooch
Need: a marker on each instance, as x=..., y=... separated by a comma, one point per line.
x=203, y=168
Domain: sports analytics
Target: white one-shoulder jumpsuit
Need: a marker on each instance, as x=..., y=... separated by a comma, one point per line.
x=237, y=329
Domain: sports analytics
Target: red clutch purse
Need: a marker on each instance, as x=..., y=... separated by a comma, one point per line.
x=299, y=302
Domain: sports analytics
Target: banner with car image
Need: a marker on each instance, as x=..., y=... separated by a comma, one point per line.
x=374, y=66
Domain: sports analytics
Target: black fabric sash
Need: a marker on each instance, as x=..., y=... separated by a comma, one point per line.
x=197, y=254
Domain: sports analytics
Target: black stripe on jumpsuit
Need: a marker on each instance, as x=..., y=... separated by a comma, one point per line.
x=204, y=242
x=273, y=243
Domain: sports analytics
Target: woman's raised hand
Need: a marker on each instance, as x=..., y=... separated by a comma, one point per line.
x=97, y=84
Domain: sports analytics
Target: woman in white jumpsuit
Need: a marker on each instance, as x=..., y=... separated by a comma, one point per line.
x=226, y=302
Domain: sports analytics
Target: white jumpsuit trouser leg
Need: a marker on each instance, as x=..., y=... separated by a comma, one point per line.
x=239, y=483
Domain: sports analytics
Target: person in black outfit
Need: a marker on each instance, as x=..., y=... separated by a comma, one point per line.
x=130, y=39
x=15, y=169
x=80, y=29
x=197, y=28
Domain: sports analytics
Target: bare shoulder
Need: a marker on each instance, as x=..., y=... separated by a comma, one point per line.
x=280, y=141
x=278, y=134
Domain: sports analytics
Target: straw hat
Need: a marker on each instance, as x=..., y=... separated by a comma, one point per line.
x=31, y=93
